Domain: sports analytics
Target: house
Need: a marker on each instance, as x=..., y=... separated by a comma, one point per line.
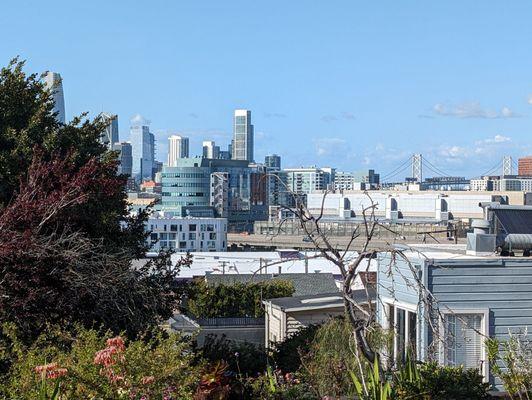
x=443, y=303
x=286, y=315
x=304, y=284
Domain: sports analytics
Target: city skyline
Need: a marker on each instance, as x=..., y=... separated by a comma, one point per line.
x=366, y=91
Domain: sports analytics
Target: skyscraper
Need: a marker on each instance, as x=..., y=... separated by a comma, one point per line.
x=143, y=148
x=54, y=83
x=110, y=135
x=272, y=162
x=177, y=148
x=125, y=157
x=210, y=150
x=242, y=136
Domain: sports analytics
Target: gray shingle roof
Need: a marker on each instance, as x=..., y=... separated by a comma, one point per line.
x=325, y=300
x=304, y=284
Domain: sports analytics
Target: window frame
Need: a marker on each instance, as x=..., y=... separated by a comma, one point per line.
x=484, y=326
x=407, y=308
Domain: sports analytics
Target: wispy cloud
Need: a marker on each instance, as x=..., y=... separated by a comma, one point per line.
x=138, y=119
x=472, y=110
x=274, y=115
x=329, y=118
x=193, y=115
x=529, y=99
x=347, y=115
x=329, y=146
x=494, y=140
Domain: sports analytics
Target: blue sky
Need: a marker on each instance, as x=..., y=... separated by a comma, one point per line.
x=348, y=84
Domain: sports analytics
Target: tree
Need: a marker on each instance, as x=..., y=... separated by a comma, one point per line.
x=27, y=125
x=67, y=240
x=235, y=300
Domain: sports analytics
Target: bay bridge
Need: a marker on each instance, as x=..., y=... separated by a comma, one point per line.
x=413, y=170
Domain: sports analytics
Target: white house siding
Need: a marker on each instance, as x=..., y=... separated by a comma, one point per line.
x=300, y=319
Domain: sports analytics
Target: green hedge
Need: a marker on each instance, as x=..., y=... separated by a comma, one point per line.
x=236, y=300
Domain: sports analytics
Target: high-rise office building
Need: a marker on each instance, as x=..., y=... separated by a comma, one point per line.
x=54, y=83
x=177, y=148
x=143, y=148
x=124, y=157
x=272, y=162
x=242, y=136
x=524, y=166
x=110, y=135
x=210, y=150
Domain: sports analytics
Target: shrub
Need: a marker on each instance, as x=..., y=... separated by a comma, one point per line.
x=287, y=354
x=330, y=358
x=95, y=365
x=436, y=382
x=242, y=358
x=273, y=385
x=514, y=364
x=236, y=300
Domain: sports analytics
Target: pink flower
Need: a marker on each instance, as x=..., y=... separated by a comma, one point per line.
x=117, y=342
x=147, y=380
x=45, y=368
x=56, y=373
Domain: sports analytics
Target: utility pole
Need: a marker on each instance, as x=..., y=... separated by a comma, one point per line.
x=224, y=263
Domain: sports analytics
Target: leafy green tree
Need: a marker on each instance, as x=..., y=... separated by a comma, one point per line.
x=27, y=125
x=67, y=240
x=236, y=300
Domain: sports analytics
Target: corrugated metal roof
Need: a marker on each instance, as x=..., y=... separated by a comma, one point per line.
x=514, y=220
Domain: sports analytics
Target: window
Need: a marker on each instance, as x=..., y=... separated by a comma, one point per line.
x=192, y=228
x=192, y=236
x=173, y=228
x=402, y=319
x=463, y=339
x=182, y=245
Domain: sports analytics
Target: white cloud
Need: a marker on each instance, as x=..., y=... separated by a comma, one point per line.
x=529, y=100
x=138, y=119
x=494, y=140
x=472, y=110
x=329, y=146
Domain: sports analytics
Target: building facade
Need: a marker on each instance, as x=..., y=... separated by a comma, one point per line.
x=210, y=150
x=110, y=135
x=272, y=162
x=512, y=183
x=524, y=166
x=472, y=298
x=308, y=180
x=54, y=83
x=178, y=147
x=400, y=206
x=143, y=150
x=243, y=136
x=186, y=184
x=125, y=158
x=187, y=234
x=229, y=187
